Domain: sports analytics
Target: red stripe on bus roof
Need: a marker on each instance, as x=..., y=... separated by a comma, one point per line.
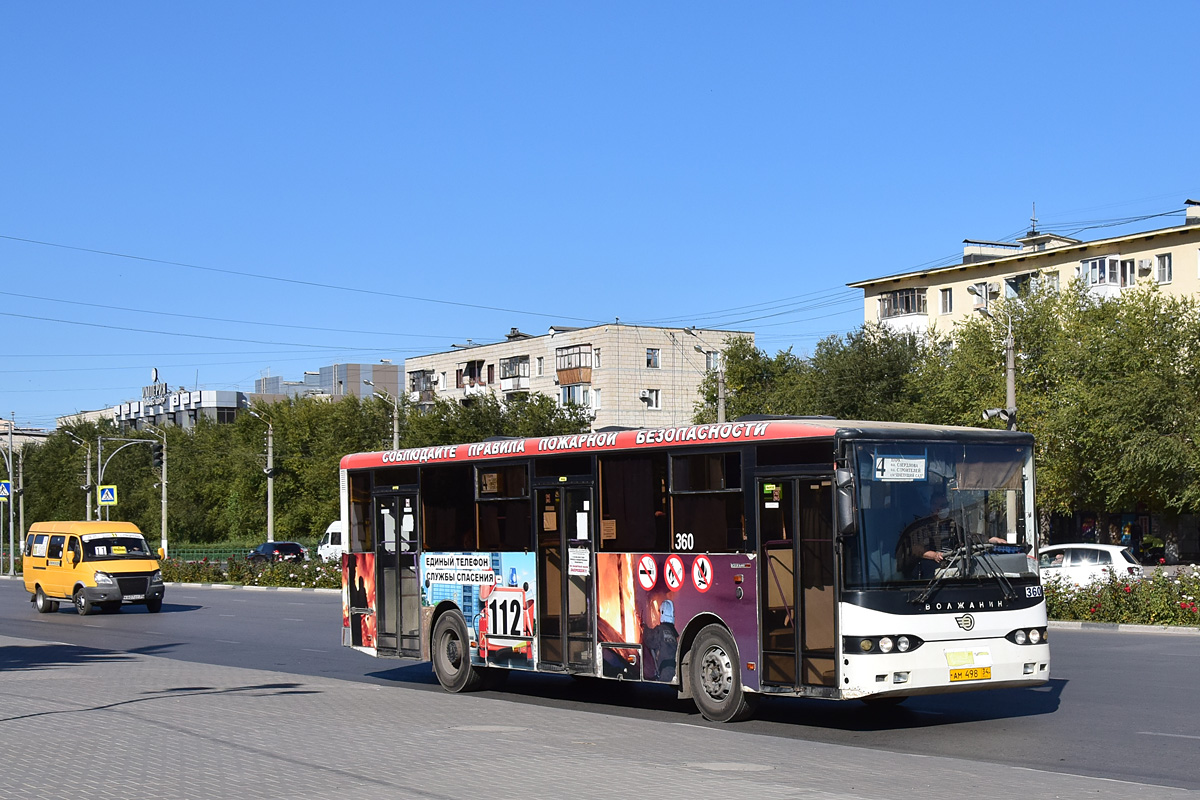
x=613, y=441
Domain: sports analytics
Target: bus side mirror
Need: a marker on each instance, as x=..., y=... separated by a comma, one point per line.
x=161, y=554
x=847, y=512
x=70, y=558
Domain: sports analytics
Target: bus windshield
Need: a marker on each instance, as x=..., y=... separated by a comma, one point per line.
x=110, y=546
x=939, y=511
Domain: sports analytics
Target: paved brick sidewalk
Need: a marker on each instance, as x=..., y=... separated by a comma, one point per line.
x=77, y=723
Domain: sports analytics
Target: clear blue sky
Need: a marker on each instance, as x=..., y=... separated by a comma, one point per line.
x=459, y=169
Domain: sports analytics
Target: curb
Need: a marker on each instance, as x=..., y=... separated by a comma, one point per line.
x=1120, y=627
x=238, y=586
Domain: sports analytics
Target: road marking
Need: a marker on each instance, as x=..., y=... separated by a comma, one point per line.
x=226, y=641
x=229, y=615
x=286, y=619
x=92, y=625
x=310, y=650
x=1172, y=735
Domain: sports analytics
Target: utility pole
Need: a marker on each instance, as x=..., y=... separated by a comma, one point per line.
x=270, y=470
x=383, y=394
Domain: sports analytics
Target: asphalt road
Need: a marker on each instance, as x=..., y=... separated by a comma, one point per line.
x=1119, y=706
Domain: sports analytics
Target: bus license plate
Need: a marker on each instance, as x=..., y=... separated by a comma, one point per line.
x=971, y=674
x=135, y=597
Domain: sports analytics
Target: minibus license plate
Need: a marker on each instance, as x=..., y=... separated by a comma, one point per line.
x=143, y=597
x=971, y=674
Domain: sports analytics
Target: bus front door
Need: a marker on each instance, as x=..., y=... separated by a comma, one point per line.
x=398, y=599
x=566, y=591
x=795, y=524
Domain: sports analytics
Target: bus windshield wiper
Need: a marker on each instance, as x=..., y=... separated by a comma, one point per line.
x=968, y=554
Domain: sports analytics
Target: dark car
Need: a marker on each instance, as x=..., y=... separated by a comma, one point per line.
x=268, y=552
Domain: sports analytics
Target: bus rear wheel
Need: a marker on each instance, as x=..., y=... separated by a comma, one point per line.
x=716, y=680
x=452, y=655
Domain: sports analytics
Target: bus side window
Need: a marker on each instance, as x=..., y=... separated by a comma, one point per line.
x=448, y=507
x=633, y=503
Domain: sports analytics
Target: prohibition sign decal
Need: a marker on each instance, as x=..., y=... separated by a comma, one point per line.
x=647, y=572
x=673, y=572
x=702, y=573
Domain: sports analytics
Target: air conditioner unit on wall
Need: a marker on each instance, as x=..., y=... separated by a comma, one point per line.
x=644, y=394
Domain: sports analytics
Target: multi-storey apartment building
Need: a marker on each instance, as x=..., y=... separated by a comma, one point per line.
x=921, y=299
x=627, y=375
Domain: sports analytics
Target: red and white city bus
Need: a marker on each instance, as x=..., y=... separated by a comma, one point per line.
x=788, y=556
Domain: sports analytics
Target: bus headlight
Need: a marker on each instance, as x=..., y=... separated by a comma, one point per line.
x=103, y=579
x=901, y=643
x=1027, y=636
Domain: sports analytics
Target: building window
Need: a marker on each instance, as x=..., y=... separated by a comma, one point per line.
x=574, y=357
x=652, y=358
x=947, y=297
x=596, y=358
x=541, y=366
x=515, y=367
x=712, y=360
x=1162, y=267
x=1128, y=272
x=652, y=398
x=596, y=399
x=578, y=394
x=901, y=302
x=1100, y=271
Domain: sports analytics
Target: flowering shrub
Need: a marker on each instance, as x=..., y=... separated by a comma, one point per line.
x=1160, y=599
x=307, y=574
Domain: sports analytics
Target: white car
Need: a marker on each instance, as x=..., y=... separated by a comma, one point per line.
x=331, y=547
x=1084, y=563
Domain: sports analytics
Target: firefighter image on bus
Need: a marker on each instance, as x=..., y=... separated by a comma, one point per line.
x=803, y=557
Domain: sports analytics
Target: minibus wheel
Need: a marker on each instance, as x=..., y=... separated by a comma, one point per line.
x=82, y=604
x=44, y=604
x=452, y=655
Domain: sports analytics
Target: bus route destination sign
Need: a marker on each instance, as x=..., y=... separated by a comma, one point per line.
x=900, y=468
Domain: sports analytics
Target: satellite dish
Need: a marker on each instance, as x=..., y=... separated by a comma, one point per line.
x=154, y=374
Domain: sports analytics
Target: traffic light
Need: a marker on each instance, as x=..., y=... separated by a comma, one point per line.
x=156, y=455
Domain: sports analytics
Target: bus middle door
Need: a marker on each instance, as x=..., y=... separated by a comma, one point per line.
x=566, y=588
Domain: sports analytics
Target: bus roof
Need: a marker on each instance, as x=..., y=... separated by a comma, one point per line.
x=78, y=527
x=746, y=430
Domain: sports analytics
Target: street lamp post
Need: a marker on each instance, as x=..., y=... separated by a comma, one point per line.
x=719, y=366
x=8, y=462
x=1009, y=412
x=87, y=487
x=270, y=470
x=383, y=394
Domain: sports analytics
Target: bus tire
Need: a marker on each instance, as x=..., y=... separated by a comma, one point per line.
x=44, y=604
x=715, y=677
x=451, y=652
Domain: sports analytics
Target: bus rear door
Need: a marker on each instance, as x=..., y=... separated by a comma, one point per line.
x=798, y=611
x=398, y=601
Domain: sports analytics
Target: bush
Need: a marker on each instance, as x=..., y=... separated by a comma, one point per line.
x=1159, y=599
x=308, y=574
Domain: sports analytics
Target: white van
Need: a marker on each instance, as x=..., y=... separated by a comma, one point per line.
x=331, y=547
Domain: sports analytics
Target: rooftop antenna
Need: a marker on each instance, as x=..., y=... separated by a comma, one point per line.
x=1033, y=220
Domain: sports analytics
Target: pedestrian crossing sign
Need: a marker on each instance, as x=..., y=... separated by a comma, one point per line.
x=108, y=495
x=5, y=491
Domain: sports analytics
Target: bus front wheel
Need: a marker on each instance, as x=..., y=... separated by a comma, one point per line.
x=715, y=676
x=452, y=655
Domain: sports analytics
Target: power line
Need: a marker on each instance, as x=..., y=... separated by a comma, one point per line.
x=297, y=281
